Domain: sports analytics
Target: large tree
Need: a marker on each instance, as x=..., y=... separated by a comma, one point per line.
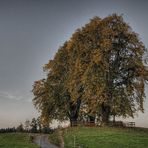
x=52, y=96
x=100, y=68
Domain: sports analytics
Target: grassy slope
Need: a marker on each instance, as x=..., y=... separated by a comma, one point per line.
x=93, y=137
x=106, y=138
x=15, y=140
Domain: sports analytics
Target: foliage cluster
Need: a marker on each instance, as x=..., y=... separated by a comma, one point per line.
x=100, y=71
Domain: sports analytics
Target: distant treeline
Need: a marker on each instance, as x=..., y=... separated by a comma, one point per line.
x=8, y=130
x=33, y=126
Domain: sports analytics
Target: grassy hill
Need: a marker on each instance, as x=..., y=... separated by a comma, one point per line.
x=15, y=140
x=93, y=137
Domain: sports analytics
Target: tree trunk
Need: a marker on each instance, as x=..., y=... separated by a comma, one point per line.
x=74, y=112
x=73, y=121
x=92, y=119
x=105, y=114
x=114, y=118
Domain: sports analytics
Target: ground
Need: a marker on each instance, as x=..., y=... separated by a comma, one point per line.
x=93, y=137
x=16, y=140
x=43, y=141
x=86, y=137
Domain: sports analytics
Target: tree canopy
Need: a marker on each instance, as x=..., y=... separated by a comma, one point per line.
x=100, y=70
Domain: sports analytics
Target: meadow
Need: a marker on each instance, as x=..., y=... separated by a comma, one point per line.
x=16, y=140
x=106, y=137
x=103, y=137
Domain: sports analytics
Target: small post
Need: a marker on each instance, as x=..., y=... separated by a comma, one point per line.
x=40, y=142
x=74, y=141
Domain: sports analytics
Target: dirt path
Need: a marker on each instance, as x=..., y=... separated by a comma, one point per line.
x=61, y=139
x=42, y=141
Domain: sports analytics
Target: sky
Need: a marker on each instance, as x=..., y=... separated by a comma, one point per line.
x=31, y=32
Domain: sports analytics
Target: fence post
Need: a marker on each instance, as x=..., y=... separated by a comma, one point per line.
x=40, y=142
x=74, y=141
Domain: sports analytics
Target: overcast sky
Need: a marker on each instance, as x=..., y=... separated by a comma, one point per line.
x=31, y=32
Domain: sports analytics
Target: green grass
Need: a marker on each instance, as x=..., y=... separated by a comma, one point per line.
x=91, y=137
x=15, y=140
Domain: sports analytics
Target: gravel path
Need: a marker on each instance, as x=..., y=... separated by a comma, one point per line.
x=42, y=141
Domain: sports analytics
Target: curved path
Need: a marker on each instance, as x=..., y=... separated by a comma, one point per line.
x=42, y=141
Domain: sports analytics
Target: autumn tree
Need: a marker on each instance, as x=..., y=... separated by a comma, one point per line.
x=52, y=96
x=100, y=68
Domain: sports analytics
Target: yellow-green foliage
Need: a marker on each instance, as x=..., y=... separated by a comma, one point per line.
x=101, y=66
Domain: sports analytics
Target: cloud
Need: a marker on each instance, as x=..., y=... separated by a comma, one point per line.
x=15, y=96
